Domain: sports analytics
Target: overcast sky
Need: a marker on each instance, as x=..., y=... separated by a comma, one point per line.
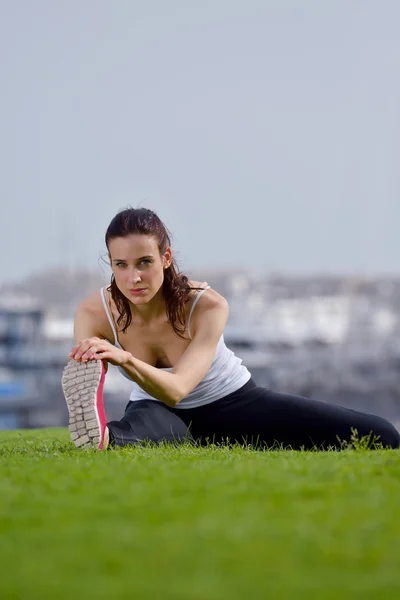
x=266, y=134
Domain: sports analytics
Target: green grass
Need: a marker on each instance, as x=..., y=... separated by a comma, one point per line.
x=194, y=523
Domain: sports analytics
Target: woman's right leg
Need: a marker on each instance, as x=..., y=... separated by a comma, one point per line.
x=255, y=415
x=147, y=420
x=83, y=383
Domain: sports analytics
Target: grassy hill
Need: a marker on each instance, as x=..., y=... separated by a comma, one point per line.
x=195, y=523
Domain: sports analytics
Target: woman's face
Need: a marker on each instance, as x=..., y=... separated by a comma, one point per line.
x=138, y=266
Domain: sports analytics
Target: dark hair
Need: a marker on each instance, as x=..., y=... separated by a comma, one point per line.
x=175, y=287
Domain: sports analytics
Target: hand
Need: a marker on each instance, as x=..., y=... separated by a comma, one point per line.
x=97, y=349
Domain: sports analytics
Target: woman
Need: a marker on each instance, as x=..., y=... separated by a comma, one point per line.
x=165, y=333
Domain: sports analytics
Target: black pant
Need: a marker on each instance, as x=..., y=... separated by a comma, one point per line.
x=252, y=415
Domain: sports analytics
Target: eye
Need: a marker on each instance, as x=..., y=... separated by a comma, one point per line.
x=120, y=265
x=145, y=261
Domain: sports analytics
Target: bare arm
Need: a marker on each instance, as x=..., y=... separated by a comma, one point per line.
x=86, y=323
x=208, y=323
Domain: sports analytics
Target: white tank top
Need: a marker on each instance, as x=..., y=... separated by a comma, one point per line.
x=226, y=374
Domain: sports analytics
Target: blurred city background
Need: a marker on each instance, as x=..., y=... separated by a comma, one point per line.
x=265, y=134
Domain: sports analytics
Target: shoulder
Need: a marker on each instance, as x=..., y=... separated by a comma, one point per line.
x=211, y=307
x=91, y=310
x=91, y=319
x=92, y=305
x=210, y=299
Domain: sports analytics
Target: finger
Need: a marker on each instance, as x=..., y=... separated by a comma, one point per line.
x=96, y=347
x=74, y=350
x=103, y=355
x=83, y=348
x=88, y=355
x=78, y=351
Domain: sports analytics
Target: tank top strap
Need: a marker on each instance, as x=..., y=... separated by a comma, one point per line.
x=110, y=319
x=193, y=306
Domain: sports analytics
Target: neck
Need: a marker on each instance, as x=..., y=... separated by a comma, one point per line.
x=145, y=313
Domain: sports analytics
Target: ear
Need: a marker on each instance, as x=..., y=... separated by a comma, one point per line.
x=167, y=258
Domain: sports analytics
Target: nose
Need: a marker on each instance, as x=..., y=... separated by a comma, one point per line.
x=134, y=276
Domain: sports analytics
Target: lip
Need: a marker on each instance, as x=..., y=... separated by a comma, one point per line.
x=137, y=291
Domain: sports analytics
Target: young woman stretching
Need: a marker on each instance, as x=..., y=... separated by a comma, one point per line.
x=165, y=333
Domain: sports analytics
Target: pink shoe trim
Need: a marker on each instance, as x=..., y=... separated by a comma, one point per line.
x=101, y=413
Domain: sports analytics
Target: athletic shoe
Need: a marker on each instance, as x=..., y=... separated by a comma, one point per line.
x=82, y=384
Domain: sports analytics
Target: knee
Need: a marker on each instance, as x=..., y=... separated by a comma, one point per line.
x=389, y=437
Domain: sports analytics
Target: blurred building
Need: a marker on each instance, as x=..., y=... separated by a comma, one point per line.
x=21, y=322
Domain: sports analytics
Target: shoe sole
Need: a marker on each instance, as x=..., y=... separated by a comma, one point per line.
x=82, y=384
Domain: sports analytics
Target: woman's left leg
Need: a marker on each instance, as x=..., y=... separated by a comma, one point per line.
x=258, y=416
x=148, y=420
